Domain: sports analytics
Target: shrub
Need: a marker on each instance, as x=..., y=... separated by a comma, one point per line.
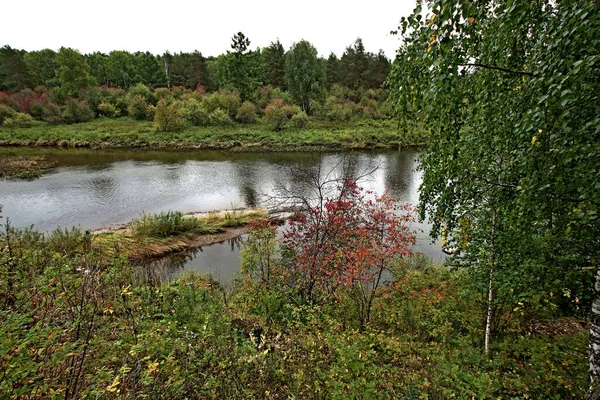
x=52, y=114
x=195, y=113
x=138, y=108
x=6, y=112
x=277, y=113
x=247, y=113
x=180, y=92
x=299, y=120
x=162, y=93
x=339, y=112
x=19, y=120
x=106, y=109
x=77, y=111
x=116, y=97
x=168, y=117
x=265, y=94
x=227, y=100
x=142, y=90
x=220, y=117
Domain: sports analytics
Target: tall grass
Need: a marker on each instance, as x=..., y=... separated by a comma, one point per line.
x=167, y=224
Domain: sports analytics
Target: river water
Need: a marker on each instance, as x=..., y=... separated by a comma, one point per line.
x=95, y=189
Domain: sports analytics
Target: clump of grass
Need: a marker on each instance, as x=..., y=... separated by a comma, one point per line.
x=170, y=223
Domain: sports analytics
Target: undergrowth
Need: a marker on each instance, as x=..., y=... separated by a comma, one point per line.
x=74, y=323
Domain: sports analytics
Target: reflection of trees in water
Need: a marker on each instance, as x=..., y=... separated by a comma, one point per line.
x=400, y=174
x=318, y=178
x=169, y=267
x=247, y=181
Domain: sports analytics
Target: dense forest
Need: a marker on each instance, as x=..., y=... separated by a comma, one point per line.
x=240, y=85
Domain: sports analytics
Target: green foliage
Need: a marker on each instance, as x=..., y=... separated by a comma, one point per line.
x=299, y=120
x=220, y=117
x=19, y=120
x=509, y=93
x=168, y=117
x=72, y=311
x=6, y=112
x=77, y=111
x=73, y=72
x=246, y=113
x=166, y=224
x=195, y=112
x=138, y=108
x=226, y=100
x=277, y=113
x=265, y=94
x=304, y=74
x=106, y=109
x=14, y=74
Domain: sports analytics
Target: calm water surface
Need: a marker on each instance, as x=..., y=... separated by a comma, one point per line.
x=95, y=189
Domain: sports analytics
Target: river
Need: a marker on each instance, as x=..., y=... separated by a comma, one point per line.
x=97, y=188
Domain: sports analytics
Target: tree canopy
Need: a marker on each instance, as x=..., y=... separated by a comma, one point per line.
x=510, y=92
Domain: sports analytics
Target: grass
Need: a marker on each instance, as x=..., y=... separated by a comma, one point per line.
x=155, y=235
x=76, y=324
x=129, y=133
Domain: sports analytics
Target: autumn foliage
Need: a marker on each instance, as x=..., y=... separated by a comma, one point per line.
x=340, y=247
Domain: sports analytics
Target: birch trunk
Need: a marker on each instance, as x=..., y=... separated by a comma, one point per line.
x=594, y=392
x=488, y=321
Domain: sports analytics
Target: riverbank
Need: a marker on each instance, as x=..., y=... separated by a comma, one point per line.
x=129, y=133
x=157, y=235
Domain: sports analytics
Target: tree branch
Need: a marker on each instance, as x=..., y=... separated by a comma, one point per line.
x=508, y=71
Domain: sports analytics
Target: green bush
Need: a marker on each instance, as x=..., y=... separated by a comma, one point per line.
x=339, y=112
x=220, y=117
x=6, y=112
x=195, y=113
x=299, y=120
x=77, y=111
x=106, y=109
x=278, y=113
x=226, y=100
x=142, y=90
x=168, y=117
x=247, y=113
x=19, y=120
x=138, y=108
x=265, y=94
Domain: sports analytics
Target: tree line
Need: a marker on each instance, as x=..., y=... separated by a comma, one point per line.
x=188, y=88
x=67, y=70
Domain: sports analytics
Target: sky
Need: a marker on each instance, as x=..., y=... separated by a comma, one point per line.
x=207, y=26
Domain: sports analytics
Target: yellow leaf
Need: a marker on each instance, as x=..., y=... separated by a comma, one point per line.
x=433, y=38
x=113, y=386
x=534, y=139
x=431, y=20
x=471, y=20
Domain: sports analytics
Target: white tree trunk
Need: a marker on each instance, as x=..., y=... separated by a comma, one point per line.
x=594, y=392
x=488, y=321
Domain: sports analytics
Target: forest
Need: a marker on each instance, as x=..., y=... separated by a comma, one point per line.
x=336, y=304
x=175, y=90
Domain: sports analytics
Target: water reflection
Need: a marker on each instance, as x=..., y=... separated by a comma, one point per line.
x=220, y=261
x=96, y=189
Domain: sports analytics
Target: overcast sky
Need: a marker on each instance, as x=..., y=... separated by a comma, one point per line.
x=207, y=26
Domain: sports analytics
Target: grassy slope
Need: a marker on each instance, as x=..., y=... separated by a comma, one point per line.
x=128, y=133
